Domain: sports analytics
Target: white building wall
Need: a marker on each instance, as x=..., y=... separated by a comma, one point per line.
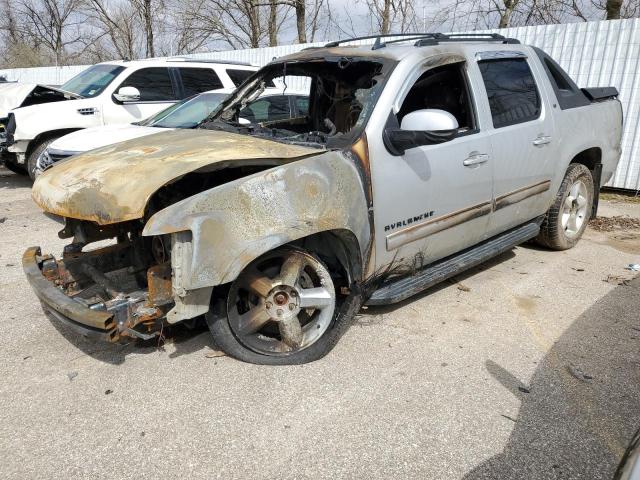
x=595, y=54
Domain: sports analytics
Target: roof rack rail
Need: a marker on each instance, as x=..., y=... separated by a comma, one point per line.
x=376, y=37
x=426, y=39
x=207, y=60
x=466, y=37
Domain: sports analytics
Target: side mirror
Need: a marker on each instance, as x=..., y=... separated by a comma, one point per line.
x=127, y=94
x=422, y=127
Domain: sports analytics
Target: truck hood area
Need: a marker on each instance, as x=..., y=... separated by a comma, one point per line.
x=14, y=95
x=113, y=184
x=96, y=137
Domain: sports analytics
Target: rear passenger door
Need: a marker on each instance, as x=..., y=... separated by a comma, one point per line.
x=197, y=80
x=157, y=88
x=522, y=137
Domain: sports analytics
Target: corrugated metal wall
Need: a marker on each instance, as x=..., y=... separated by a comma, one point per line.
x=594, y=54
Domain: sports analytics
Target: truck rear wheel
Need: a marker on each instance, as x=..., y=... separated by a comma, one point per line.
x=567, y=219
x=282, y=309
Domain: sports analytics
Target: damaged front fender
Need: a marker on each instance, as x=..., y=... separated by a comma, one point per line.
x=236, y=222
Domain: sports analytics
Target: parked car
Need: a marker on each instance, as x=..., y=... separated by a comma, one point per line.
x=106, y=94
x=415, y=162
x=188, y=113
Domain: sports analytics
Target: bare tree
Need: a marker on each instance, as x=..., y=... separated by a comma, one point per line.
x=391, y=15
x=148, y=11
x=613, y=8
x=117, y=23
x=182, y=32
x=56, y=23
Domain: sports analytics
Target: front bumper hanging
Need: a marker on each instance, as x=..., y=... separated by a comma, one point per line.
x=86, y=321
x=121, y=316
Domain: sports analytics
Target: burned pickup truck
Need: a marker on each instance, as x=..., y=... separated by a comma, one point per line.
x=418, y=157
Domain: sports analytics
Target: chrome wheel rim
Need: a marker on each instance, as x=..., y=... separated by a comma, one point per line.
x=281, y=303
x=575, y=209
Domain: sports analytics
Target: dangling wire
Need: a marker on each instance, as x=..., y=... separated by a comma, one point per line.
x=284, y=77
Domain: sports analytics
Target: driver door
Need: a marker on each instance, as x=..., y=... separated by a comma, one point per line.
x=435, y=199
x=157, y=91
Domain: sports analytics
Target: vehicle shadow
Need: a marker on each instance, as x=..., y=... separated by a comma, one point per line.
x=10, y=180
x=582, y=405
x=459, y=278
x=175, y=342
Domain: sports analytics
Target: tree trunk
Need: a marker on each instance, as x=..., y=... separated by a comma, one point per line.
x=148, y=25
x=613, y=9
x=273, y=23
x=385, y=23
x=505, y=15
x=301, y=21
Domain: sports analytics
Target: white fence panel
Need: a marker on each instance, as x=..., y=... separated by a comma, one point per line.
x=595, y=54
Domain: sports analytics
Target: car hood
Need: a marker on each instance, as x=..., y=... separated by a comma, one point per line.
x=113, y=184
x=12, y=95
x=96, y=137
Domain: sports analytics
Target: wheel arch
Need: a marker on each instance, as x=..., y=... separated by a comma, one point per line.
x=339, y=245
x=592, y=159
x=33, y=144
x=318, y=200
x=589, y=157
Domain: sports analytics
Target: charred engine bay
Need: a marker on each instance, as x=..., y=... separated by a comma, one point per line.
x=130, y=277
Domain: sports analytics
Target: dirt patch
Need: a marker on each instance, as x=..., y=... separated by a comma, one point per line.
x=628, y=242
x=617, y=197
x=619, y=222
x=528, y=303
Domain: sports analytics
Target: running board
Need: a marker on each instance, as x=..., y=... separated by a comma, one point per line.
x=405, y=287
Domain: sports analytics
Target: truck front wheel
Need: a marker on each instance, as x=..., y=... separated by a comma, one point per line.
x=32, y=158
x=282, y=309
x=567, y=219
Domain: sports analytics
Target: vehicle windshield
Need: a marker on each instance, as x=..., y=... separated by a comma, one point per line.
x=92, y=81
x=342, y=92
x=186, y=114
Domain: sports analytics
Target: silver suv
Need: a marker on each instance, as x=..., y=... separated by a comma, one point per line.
x=418, y=157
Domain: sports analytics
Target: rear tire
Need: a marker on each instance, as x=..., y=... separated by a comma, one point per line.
x=281, y=336
x=567, y=219
x=35, y=153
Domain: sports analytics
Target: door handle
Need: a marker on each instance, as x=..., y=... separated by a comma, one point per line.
x=542, y=140
x=475, y=159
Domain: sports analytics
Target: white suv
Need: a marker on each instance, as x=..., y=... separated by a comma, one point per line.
x=109, y=93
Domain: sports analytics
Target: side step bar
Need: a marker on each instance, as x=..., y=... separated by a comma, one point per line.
x=405, y=287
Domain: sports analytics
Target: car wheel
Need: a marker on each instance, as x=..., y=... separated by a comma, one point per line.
x=32, y=158
x=281, y=310
x=567, y=219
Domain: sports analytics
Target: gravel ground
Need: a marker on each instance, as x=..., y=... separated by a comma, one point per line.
x=525, y=368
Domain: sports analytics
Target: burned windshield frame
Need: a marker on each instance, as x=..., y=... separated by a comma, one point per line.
x=368, y=74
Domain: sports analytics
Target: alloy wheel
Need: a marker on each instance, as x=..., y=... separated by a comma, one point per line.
x=281, y=303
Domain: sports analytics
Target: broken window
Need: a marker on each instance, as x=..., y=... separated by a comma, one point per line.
x=341, y=95
x=443, y=88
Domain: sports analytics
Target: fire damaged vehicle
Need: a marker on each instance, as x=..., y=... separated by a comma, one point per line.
x=417, y=157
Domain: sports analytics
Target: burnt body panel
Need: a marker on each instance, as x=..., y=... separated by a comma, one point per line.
x=236, y=222
x=114, y=184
